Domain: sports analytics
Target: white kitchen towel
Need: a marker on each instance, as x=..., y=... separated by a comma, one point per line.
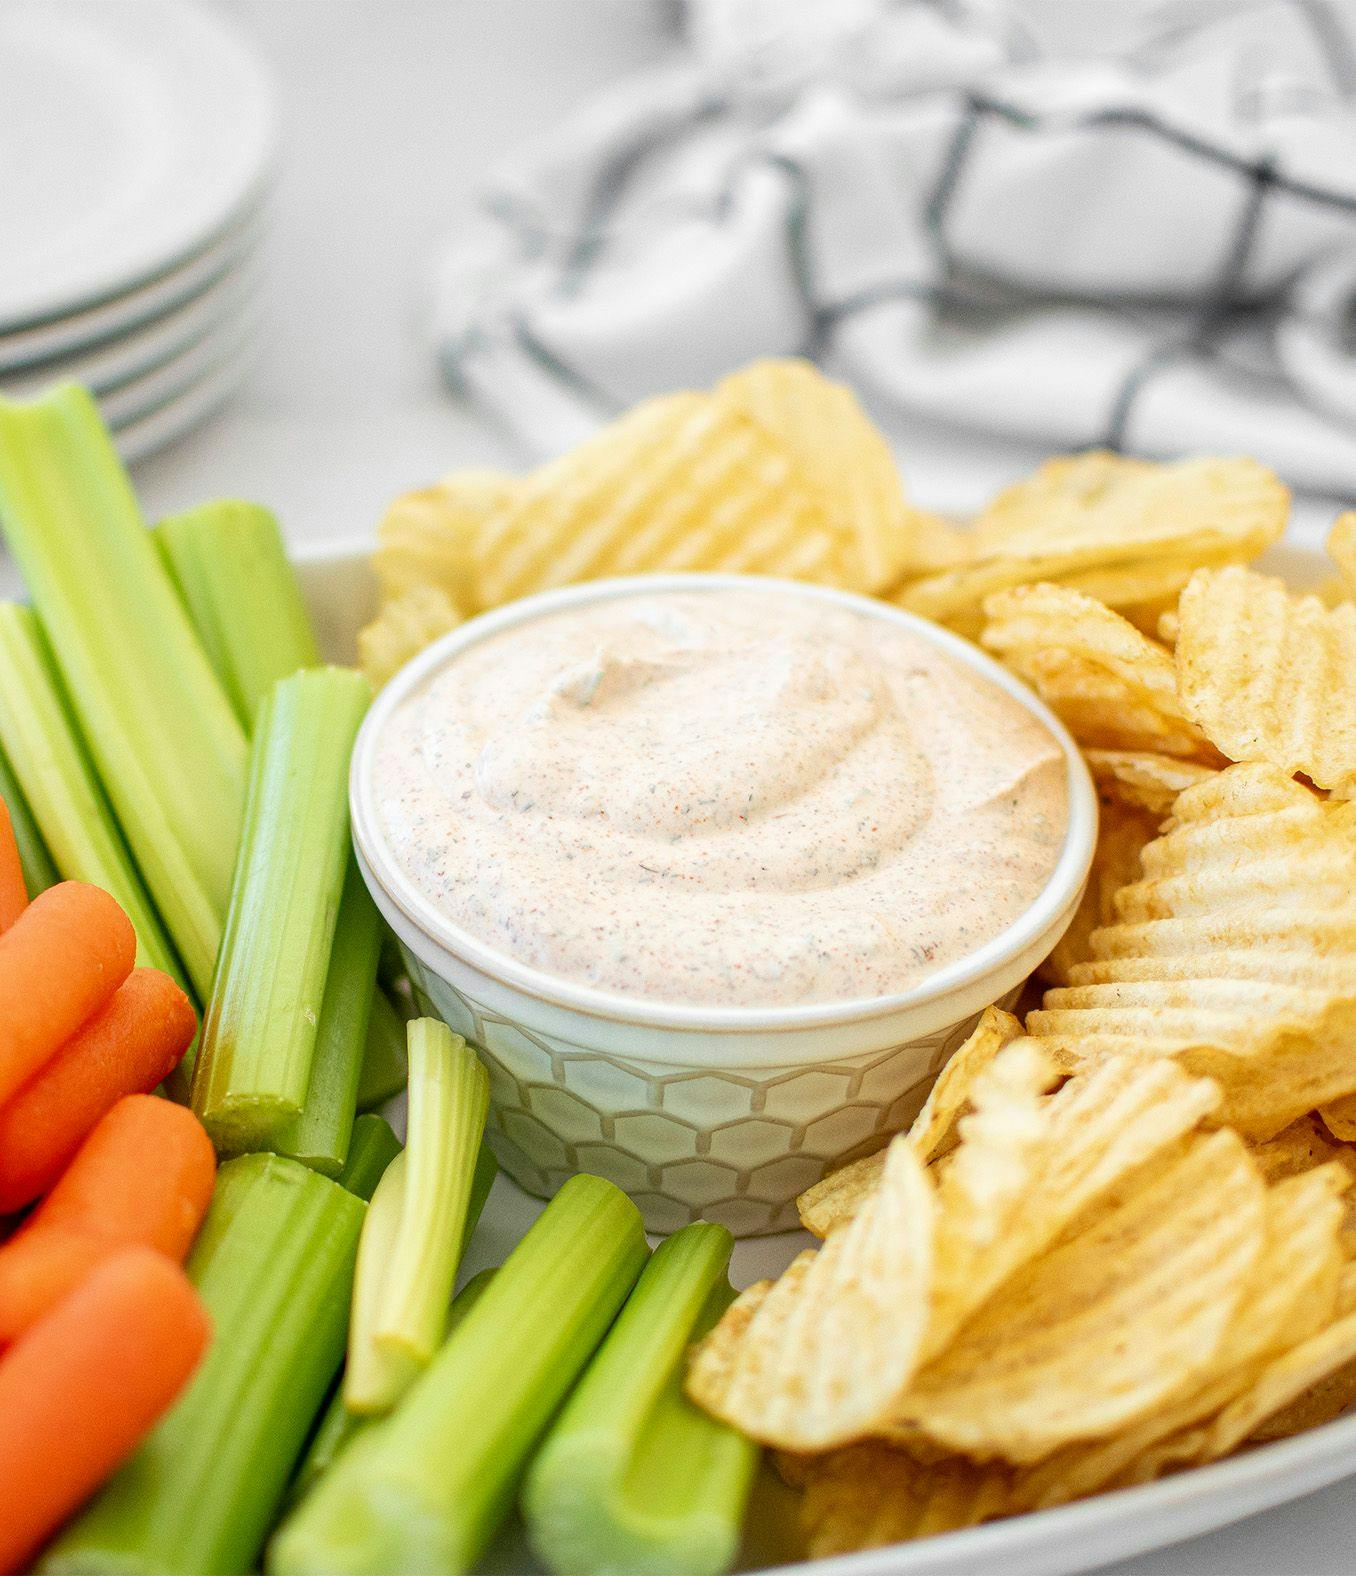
x=1151, y=246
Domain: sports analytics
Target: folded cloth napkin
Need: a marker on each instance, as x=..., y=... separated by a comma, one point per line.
x=1152, y=247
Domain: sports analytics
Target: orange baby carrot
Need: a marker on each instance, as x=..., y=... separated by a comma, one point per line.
x=13, y=892
x=60, y=961
x=80, y=1390
x=134, y=1042
x=144, y=1176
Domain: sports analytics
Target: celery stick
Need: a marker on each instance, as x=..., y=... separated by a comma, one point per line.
x=339, y=1426
x=633, y=1477
x=34, y=859
x=385, y=1069
x=169, y=749
x=371, y=1149
x=413, y=1237
x=231, y=567
x=48, y=756
x=320, y=1136
x=378, y=1372
x=424, y=1489
x=259, y=1032
x=274, y=1264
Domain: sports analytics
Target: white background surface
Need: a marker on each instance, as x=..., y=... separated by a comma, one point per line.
x=392, y=111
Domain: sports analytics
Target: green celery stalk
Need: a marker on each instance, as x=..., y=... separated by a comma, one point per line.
x=386, y=1069
x=170, y=752
x=260, y=1029
x=633, y=1477
x=371, y=1149
x=231, y=567
x=320, y=1135
x=274, y=1265
x=58, y=780
x=339, y=1426
x=417, y=1226
x=34, y=859
x=424, y=1489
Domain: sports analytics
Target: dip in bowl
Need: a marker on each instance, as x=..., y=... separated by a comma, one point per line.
x=716, y=870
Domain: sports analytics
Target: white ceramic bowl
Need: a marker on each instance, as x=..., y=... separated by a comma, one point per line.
x=723, y=1113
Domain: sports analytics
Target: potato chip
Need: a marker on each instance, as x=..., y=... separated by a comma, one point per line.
x=934, y=1129
x=1122, y=835
x=825, y=1350
x=427, y=538
x=402, y=629
x=1339, y=1117
x=937, y=545
x=1293, y=1294
x=1103, y=512
x=1112, y=1323
x=1236, y=951
x=1341, y=546
x=1146, y=591
x=1303, y=1146
x=1027, y=1168
x=680, y=483
x=1305, y=1371
x=838, y=458
x=1144, y=779
x=1113, y=687
x=1269, y=676
x=828, y=1204
x=869, y=1495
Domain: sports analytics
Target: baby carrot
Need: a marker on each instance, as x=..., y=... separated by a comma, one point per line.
x=83, y=1387
x=13, y=892
x=60, y=961
x=144, y=1176
x=134, y=1042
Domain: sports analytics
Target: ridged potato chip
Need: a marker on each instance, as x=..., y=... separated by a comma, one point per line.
x=1123, y=833
x=1104, y=513
x=937, y=545
x=1235, y=952
x=870, y=1495
x=1112, y=687
x=1269, y=676
x=838, y=458
x=1341, y=546
x=1115, y=1321
x=1027, y=1167
x=1339, y=1117
x=427, y=538
x=820, y=1355
x=405, y=626
x=1144, y=779
x=835, y=1200
x=1303, y=1373
x=679, y=483
x=1293, y=1294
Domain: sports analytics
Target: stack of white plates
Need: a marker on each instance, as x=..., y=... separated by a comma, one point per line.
x=136, y=150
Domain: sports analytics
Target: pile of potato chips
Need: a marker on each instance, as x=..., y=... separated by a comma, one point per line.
x=1119, y=1240
x=777, y=471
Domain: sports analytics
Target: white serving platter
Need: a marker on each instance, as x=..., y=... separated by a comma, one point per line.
x=340, y=590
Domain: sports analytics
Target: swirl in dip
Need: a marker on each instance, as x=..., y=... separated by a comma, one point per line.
x=725, y=796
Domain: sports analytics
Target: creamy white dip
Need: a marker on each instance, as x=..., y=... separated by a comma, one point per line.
x=727, y=797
